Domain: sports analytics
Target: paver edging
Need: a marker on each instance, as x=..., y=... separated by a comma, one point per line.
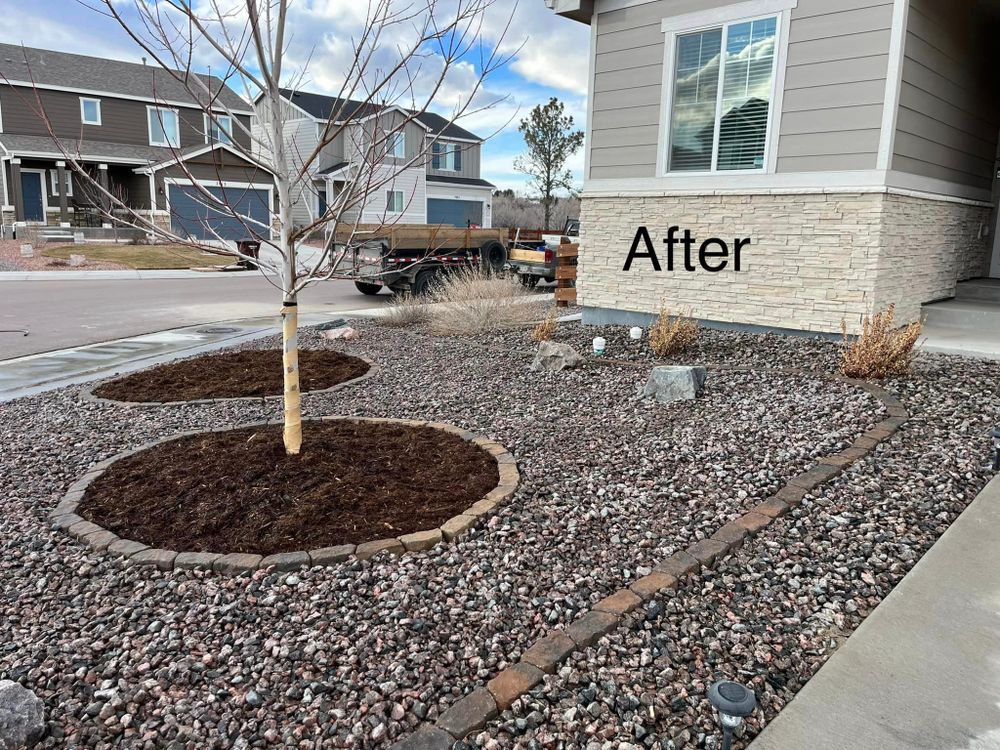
x=701, y=556
x=64, y=516
x=87, y=393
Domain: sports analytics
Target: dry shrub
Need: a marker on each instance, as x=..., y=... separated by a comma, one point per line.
x=469, y=301
x=547, y=328
x=881, y=351
x=672, y=334
x=407, y=311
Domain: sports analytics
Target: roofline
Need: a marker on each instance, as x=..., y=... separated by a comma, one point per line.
x=151, y=168
x=58, y=155
x=118, y=95
x=488, y=186
x=577, y=10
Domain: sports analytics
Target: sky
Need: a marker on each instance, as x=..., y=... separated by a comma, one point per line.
x=548, y=58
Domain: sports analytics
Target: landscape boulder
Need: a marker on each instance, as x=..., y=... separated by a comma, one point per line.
x=22, y=720
x=346, y=333
x=553, y=357
x=669, y=383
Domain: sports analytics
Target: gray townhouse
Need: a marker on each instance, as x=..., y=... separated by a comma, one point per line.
x=137, y=130
x=853, y=142
x=444, y=187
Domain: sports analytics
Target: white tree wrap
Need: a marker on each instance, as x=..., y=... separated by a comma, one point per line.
x=293, y=397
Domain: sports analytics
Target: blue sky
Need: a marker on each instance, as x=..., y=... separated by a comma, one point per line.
x=551, y=61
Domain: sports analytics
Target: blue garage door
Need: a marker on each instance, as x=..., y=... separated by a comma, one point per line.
x=456, y=213
x=191, y=216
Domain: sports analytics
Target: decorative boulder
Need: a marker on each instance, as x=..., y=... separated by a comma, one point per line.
x=346, y=334
x=674, y=383
x=553, y=357
x=22, y=720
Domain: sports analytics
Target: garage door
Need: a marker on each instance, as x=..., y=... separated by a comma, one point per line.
x=456, y=213
x=191, y=217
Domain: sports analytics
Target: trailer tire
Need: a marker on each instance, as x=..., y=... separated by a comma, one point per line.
x=493, y=256
x=366, y=288
x=422, y=283
x=527, y=280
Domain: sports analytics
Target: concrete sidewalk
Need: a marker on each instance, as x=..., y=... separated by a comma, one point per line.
x=923, y=671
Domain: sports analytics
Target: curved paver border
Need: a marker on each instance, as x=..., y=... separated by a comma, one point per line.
x=64, y=516
x=87, y=394
x=472, y=712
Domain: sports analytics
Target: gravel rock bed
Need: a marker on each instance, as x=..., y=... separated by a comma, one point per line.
x=357, y=655
x=770, y=615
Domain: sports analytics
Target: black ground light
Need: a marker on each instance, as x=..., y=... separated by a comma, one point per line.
x=734, y=703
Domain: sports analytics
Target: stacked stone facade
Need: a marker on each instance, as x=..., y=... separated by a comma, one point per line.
x=814, y=260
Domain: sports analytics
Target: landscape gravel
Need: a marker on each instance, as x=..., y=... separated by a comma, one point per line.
x=359, y=654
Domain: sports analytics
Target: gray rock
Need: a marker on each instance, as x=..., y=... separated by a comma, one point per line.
x=670, y=383
x=22, y=719
x=553, y=357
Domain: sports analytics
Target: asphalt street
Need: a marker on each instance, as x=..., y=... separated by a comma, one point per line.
x=66, y=313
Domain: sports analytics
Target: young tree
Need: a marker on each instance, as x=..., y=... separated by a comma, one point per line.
x=399, y=63
x=548, y=133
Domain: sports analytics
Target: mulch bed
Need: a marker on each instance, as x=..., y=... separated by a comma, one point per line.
x=238, y=491
x=239, y=374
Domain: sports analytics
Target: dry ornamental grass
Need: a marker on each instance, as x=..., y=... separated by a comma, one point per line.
x=406, y=311
x=470, y=301
x=881, y=351
x=547, y=328
x=672, y=334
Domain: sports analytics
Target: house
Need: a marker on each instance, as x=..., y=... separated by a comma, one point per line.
x=444, y=188
x=852, y=142
x=133, y=127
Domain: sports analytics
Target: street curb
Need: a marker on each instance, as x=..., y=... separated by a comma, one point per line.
x=65, y=517
x=478, y=707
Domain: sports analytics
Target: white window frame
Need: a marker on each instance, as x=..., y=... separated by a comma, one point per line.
x=715, y=18
x=54, y=182
x=228, y=131
x=83, y=110
x=151, y=112
x=389, y=205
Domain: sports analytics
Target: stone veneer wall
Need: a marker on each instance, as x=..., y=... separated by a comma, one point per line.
x=815, y=259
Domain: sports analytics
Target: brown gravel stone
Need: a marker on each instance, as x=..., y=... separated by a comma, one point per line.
x=331, y=555
x=707, y=551
x=370, y=549
x=649, y=586
x=421, y=540
x=588, y=629
x=469, y=714
x=619, y=603
x=453, y=528
x=549, y=651
x=513, y=682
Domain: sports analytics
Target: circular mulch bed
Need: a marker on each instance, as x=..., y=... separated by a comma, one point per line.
x=238, y=491
x=250, y=373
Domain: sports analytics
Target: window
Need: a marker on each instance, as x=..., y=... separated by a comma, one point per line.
x=723, y=84
x=90, y=111
x=54, y=180
x=163, y=127
x=395, y=144
x=394, y=201
x=219, y=129
x=446, y=157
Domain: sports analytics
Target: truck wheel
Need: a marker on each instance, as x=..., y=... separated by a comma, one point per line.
x=528, y=280
x=366, y=288
x=422, y=283
x=493, y=256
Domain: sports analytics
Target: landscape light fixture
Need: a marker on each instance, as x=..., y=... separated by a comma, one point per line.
x=996, y=448
x=599, y=345
x=635, y=333
x=734, y=702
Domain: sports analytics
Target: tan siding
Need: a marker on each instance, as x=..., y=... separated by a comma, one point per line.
x=837, y=62
x=947, y=123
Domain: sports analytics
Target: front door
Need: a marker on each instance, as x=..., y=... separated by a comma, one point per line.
x=31, y=194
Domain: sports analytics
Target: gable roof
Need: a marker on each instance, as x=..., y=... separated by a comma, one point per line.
x=65, y=70
x=321, y=107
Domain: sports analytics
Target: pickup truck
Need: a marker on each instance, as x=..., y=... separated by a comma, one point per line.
x=532, y=256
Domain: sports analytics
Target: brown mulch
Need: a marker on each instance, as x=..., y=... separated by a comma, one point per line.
x=253, y=372
x=238, y=491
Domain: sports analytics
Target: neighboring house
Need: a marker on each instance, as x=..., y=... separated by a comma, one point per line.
x=853, y=141
x=136, y=129
x=442, y=187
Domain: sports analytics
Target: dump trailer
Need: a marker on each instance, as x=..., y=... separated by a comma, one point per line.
x=405, y=258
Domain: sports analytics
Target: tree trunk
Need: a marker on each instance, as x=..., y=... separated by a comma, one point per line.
x=292, y=434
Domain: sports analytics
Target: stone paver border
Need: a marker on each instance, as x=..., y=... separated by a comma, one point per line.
x=65, y=518
x=87, y=394
x=472, y=712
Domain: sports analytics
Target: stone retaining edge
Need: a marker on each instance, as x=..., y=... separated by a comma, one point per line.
x=64, y=516
x=472, y=712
